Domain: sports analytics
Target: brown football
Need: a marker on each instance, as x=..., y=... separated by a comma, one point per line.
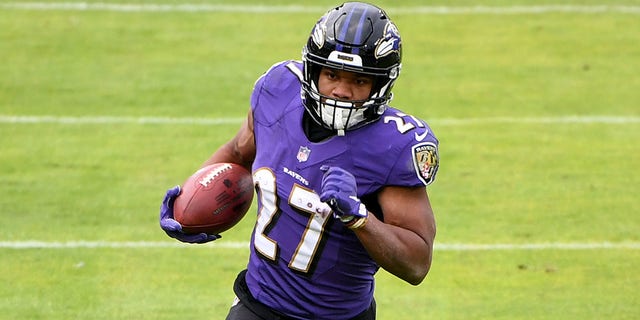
x=214, y=199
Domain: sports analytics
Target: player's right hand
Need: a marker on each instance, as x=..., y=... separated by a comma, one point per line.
x=172, y=227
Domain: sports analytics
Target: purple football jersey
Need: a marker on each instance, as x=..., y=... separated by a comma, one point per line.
x=304, y=263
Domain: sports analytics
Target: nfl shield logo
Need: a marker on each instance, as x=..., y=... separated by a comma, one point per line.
x=303, y=154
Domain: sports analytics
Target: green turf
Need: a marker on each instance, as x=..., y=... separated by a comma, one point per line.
x=501, y=181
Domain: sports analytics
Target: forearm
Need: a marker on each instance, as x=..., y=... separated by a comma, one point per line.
x=403, y=243
x=399, y=251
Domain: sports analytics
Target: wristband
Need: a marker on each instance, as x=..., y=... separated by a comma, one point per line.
x=353, y=222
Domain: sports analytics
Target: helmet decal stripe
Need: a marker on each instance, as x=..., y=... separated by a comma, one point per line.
x=352, y=29
x=344, y=30
x=359, y=31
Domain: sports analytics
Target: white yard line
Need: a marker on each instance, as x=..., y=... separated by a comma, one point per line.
x=116, y=120
x=441, y=10
x=603, y=119
x=35, y=244
x=538, y=246
x=23, y=119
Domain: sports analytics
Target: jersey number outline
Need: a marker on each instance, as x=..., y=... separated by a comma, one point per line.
x=307, y=202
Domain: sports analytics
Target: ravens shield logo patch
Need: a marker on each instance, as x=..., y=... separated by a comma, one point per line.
x=426, y=161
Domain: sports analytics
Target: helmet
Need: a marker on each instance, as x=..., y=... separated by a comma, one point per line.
x=357, y=37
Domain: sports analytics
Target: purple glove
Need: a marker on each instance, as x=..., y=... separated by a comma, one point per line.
x=173, y=227
x=340, y=192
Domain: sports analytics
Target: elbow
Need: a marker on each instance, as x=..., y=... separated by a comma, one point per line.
x=415, y=281
x=421, y=267
x=417, y=277
x=418, y=273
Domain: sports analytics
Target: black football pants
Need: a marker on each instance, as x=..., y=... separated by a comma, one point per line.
x=247, y=308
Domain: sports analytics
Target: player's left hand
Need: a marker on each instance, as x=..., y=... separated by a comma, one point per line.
x=340, y=192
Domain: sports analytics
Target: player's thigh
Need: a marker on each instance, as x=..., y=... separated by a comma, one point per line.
x=240, y=312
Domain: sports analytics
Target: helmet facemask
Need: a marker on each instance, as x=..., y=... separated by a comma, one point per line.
x=342, y=115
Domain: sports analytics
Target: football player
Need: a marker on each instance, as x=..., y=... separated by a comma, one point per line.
x=340, y=176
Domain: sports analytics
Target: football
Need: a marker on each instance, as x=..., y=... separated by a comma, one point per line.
x=214, y=199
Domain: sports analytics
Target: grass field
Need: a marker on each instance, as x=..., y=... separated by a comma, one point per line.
x=104, y=106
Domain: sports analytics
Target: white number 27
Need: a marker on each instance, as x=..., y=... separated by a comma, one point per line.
x=301, y=198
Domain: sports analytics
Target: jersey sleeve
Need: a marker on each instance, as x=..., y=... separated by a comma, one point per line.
x=417, y=163
x=273, y=92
